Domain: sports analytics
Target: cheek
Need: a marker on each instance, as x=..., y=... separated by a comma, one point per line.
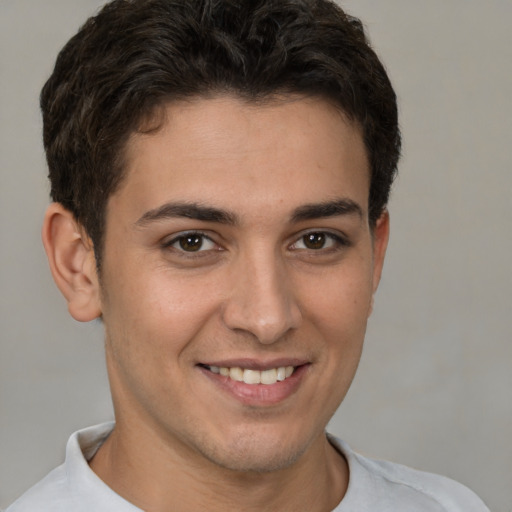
x=156, y=314
x=152, y=326
x=339, y=302
x=340, y=317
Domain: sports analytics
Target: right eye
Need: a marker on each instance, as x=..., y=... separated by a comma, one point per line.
x=192, y=242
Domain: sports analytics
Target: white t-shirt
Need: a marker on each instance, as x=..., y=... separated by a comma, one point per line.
x=374, y=486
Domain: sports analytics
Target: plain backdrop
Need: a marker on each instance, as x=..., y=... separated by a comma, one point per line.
x=434, y=389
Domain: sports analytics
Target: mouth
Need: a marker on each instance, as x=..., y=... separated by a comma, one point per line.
x=251, y=376
x=257, y=384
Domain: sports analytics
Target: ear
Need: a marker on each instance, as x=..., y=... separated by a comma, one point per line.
x=380, y=244
x=72, y=263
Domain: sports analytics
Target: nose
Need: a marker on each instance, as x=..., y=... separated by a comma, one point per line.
x=261, y=300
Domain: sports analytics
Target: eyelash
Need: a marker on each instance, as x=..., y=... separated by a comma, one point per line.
x=182, y=237
x=336, y=240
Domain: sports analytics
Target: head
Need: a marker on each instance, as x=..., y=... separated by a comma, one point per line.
x=114, y=77
x=226, y=166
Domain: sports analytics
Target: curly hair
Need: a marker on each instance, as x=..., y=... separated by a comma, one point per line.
x=136, y=55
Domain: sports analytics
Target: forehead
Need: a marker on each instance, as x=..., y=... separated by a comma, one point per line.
x=226, y=150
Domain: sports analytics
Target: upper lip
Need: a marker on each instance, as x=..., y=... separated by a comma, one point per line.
x=256, y=364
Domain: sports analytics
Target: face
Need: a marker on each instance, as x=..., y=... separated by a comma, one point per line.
x=237, y=279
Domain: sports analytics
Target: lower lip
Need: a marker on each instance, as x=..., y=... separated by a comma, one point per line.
x=259, y=394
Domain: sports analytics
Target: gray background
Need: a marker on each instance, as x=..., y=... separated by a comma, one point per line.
x=434, y=387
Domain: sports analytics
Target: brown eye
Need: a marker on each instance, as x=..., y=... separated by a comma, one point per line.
x=314, y=240
x=191, y=243
x=320, y=241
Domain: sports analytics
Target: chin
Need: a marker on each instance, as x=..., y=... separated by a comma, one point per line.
x=250, y=452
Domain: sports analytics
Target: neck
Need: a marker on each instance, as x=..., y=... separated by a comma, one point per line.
x=156, y=478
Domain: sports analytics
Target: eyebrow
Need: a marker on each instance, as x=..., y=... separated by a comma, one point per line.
x=204, y=213
x=194, y=211
x=327, y=209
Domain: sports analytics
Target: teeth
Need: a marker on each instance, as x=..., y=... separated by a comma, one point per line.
x=254, y=376
x=236, y=374
x=269, y=376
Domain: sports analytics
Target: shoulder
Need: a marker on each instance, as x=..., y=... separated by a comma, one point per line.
x=73, y=485
x=397, y=488
x=50, y=490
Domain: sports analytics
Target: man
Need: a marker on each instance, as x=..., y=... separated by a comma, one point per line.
x=220, y=173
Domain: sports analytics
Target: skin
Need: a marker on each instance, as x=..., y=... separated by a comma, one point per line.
x=256, y=291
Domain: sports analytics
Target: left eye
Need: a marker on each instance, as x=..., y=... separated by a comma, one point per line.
x=191, y=242
x=316, y=241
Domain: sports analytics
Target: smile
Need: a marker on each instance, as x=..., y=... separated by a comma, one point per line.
x=257, y=383
x=249, y=376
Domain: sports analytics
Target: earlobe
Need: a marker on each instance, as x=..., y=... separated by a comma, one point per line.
x=72, y=263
